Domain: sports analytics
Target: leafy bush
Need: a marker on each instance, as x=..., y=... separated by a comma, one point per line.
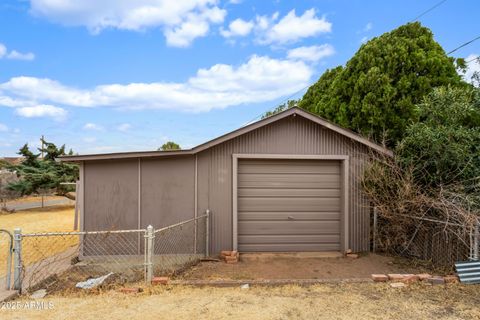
x=444, y=148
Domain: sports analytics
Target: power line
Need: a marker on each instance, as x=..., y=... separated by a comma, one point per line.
x=428, y=10
x=476, y=58
x=463, y=45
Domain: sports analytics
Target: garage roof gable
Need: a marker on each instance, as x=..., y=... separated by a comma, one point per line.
x=287, y=113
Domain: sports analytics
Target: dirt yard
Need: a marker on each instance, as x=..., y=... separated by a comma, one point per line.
x=277, y=266
x=328, y=301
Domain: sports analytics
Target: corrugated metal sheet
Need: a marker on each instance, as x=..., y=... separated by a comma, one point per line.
x=468, y=271
x=167, y=190
x=292, y=135
x=111, y=195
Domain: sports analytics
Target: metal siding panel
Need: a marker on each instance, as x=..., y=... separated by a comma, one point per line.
x=292, y=135
x=111, y=195
x=168, y=191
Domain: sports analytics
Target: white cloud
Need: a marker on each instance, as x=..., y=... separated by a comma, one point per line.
x=472, y=67
x=259, y=79
x=124, y=127
x=291, y=27
x=181, y=20
x=93, y=127
x=367, y=27
x=3, y=127
x=42, y=89
x=364, y=39
x=15, y=55
x=238, y=28
x=312, y=53
x=42, y=110
x=195, y=26
x=3, y=50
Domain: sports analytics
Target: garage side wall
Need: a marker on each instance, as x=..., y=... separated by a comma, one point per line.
x=133, y=193
x=111, y=195
x=292, y=135
x=168, y=190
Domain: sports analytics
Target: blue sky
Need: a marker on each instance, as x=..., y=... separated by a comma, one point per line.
x=117, y=75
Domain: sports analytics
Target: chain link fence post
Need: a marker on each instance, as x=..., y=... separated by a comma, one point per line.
x=150, y=236
x=17, y=259
x=207, y=233
x=476, y=243
x=375, y=225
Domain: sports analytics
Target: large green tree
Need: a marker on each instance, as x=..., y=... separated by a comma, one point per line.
x=43, y=174
x=376, y=92
x=284, y=106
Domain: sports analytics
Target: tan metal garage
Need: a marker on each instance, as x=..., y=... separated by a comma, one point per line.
x=289, y=182
x=288, y=205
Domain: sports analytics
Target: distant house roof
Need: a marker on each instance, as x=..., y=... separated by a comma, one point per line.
x=12, y=160
x=289, y=112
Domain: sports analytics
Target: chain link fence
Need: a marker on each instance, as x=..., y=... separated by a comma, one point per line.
x=428, y=240
x=179, y=246
x=58, y=261
x=6, y=249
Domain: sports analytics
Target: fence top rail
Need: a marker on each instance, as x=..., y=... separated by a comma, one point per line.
x=79, y=233
x=180, y=223
x=82, y=233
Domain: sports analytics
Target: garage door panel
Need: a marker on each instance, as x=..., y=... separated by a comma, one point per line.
x=309, y=181
x=289, y=167
x=281, y=192
x=289, y=204
x=286, y=239
x=272, y=216
x=288, y=227
x=289, y=247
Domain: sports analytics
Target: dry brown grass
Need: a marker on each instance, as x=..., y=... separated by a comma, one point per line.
x=55, y=218
x=341, y=301
x=51, y=219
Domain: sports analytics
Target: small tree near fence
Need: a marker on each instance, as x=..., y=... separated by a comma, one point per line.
x=39, y=174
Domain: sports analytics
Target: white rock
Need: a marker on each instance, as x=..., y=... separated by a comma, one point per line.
x=397, y=284
x=245, y=286
x=39, y=294
x=92, y=283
